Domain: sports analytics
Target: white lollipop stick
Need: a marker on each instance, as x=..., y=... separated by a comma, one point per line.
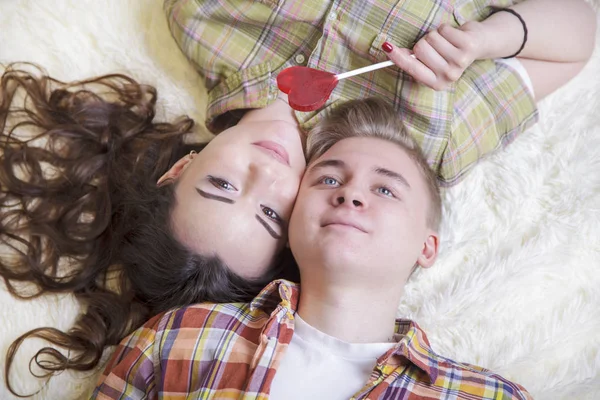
x=362, y=70
x=368, y=68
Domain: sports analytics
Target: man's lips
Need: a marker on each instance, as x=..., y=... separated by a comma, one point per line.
x=344, y=222
x=275, y=150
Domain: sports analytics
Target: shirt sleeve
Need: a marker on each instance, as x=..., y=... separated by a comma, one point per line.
x=130, y=373
x=505, y=389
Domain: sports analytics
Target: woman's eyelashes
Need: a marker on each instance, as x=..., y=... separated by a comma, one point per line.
x=221, y=184
x=271, y=214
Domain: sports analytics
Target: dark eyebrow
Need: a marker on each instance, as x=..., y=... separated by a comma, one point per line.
x=394, y=175
x=328, y=163
x=210, y=196
x=268, y=228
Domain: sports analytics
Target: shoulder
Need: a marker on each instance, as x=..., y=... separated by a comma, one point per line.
x=205, y=316
x=201, y=332
x=207, y=323
x=230, y=316
x=479, y=380
x=193, y=318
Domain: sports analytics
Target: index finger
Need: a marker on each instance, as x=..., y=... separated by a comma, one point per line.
x=407, y=62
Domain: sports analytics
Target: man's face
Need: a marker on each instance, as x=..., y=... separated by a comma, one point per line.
x=361, y=213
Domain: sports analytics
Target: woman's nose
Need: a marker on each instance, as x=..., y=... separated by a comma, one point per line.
x=264, y=172
x=269, y=177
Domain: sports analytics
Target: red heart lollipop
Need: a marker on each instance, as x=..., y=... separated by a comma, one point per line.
x=308, y=89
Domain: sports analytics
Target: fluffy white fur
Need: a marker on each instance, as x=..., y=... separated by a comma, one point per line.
x=517, y=285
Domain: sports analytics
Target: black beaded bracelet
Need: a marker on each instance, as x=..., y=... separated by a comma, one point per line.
x=516, y=14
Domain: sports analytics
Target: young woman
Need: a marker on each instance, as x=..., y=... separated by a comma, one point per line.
x=86, y=206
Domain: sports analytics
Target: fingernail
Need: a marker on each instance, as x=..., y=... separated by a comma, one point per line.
x=387, y=47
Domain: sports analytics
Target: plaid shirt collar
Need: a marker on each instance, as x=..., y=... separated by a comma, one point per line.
x=279, y=299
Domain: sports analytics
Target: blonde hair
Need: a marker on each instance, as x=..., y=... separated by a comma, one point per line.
x=374, y=118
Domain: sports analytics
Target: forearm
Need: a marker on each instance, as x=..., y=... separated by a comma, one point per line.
x=558, y=31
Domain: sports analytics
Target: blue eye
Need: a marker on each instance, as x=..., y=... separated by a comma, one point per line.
x=270, y=213
x=385, y=191
x=221, y=183
x=329, y=181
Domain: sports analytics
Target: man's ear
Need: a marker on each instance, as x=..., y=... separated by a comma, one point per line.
x=175, y=171
x=430, y=250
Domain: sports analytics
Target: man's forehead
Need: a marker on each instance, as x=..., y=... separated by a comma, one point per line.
x=376, y=151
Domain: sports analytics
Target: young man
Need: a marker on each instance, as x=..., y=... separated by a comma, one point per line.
x=366, y=215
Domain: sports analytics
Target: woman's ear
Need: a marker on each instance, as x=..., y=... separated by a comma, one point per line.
x=430, y=250
x=175, y=171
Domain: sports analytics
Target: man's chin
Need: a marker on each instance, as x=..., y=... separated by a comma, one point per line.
x=341, y=257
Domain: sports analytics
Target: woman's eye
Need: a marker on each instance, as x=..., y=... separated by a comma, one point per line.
x=221, y=183
x=269, y=212
x=385, y=191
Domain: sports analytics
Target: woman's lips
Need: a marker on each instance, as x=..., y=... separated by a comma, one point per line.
x=275, y=150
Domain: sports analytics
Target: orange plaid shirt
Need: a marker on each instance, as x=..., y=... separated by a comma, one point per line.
x=231, y=351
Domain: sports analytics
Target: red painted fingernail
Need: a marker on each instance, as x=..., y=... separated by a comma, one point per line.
x=387, y=47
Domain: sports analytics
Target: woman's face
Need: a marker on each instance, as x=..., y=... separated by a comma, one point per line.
x=234, y=199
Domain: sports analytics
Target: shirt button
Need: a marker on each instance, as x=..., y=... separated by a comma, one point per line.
x=332, y=16
x=300, y=58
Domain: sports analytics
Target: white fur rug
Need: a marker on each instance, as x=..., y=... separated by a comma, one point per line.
x=517, y=286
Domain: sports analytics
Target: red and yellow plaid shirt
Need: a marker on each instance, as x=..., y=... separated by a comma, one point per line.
x=231, y=351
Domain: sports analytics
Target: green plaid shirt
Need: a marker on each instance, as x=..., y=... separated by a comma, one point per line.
x=240, y=46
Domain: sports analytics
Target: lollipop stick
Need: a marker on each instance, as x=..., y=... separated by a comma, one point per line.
x=364, y=69
x=368, y=68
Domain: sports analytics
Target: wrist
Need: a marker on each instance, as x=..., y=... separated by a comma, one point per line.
x=480, y=33
x=502, y=36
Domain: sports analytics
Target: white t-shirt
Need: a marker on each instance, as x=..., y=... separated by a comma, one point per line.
x=318, y=366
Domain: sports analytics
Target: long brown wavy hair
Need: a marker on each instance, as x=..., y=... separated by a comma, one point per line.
x=80, y=212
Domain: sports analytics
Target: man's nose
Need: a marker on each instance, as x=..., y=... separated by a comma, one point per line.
x=350, y=196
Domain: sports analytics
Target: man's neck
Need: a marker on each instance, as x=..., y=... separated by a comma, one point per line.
x=350, y=313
